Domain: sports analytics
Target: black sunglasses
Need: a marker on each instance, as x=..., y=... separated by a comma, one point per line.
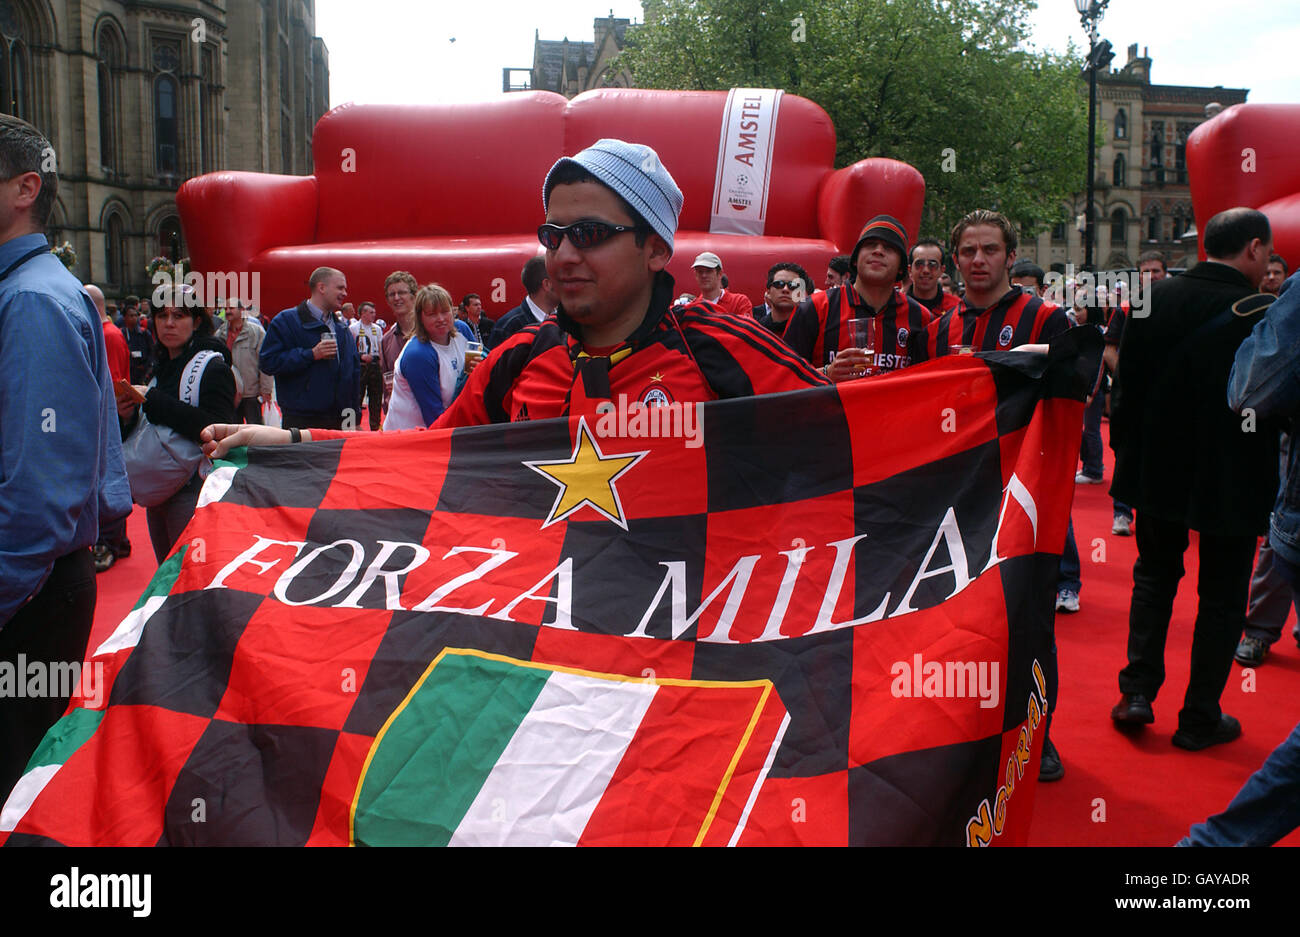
x=582, y=234
x=786, y=284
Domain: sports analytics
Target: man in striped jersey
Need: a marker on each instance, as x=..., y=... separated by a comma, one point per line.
x=819, y=328
x=370, y=339
x=994, y=315
x=611, y=214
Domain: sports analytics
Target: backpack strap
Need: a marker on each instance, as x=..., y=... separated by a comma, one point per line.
x=193, y=376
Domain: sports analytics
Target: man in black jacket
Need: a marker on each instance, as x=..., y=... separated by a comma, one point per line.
x=139, y=343
x=537, y=305
x=313, y=356
x=1185, y=461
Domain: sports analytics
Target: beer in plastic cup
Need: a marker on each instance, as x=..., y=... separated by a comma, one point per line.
x=473, y=352
x=862, y=332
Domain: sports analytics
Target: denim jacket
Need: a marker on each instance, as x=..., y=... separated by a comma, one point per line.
x=1266, y=379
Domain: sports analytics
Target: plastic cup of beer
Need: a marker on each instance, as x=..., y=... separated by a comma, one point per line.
x=862, y=332
x=473, y=353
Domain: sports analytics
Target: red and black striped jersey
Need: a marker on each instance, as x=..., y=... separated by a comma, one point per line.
x=940, y=304
x=819, y=326
x=1018, y=318
x=687, y=354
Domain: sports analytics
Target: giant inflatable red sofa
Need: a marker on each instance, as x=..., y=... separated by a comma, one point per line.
x=1249, y=155
x=453, y=193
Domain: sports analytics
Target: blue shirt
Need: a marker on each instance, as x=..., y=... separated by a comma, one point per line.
x=60, y=446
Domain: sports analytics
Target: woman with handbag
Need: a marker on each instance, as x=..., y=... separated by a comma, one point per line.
x=193, y=386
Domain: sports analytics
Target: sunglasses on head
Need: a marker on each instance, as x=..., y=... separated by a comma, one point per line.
x=581, y=234
x=786, y=284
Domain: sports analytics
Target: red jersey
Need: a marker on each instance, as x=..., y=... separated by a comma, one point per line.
x=688, y=354
x=1018, y=318
x=119, y=356
x=819, y=327
x=732, y=304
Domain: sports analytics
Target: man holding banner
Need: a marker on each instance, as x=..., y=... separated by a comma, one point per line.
x=612, y=212
x=772, y=632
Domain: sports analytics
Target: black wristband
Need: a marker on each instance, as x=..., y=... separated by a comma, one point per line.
x=295, y=435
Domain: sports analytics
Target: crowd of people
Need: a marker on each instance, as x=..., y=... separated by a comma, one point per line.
x=601, y=318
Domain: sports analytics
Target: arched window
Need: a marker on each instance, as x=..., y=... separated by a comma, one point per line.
x=166, y=60
x=18, y=66
x=1121, y=125
x=111, y=59
x=1153, y=224
x=21, y=26
x=107, y=121
x=169, y=238
x=1119, y=170
x=165, y=124
x=1118, y=221
x=209, y=109
x=115, y=250
x=1179, y=224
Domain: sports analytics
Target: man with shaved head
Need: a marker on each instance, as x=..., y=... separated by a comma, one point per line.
x=119, y=357
x=312, y=355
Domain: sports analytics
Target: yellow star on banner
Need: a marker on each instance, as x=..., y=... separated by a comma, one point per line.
x=587, y=477
x=657, y=377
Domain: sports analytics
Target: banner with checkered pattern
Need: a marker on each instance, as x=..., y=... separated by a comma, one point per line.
x=825, y=618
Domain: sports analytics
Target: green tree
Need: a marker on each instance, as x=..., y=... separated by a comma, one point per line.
x=946, y=85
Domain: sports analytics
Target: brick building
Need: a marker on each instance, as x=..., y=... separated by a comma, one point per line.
x=138, y=97
x=570, y=68
x=1142, y=196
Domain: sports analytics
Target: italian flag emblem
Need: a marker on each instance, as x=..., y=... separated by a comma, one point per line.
x=488, y=750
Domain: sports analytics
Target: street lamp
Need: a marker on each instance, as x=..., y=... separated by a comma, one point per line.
x=1099, y=56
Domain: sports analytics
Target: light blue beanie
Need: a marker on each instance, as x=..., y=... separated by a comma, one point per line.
x=633, y=171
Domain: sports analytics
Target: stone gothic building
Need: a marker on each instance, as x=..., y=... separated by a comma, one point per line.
x=1143, y=200
x=570, y=68
x=136, y=97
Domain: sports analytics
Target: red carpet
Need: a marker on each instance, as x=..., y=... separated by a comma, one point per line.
x=1139, y=789
x=1118, y=789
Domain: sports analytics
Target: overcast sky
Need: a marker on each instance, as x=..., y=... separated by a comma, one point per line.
x=401, y=51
